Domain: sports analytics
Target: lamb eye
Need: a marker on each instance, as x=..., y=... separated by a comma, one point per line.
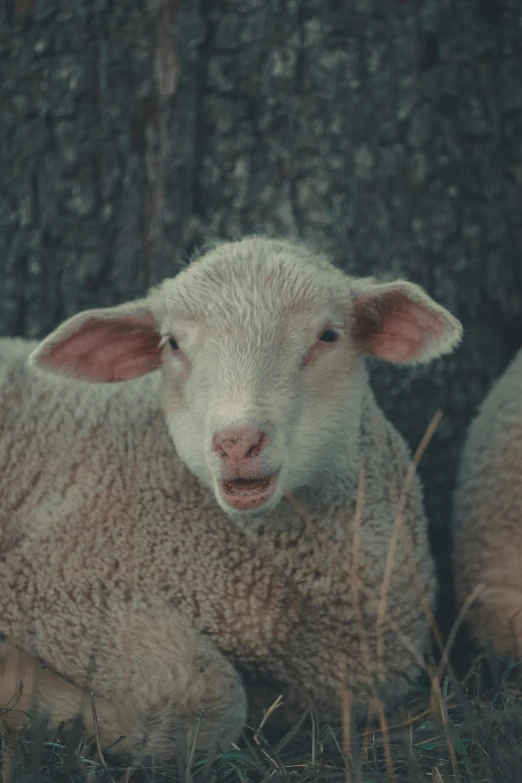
x=173, y=344
x=328, y=336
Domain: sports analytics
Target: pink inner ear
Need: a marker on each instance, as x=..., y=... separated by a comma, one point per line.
x=107, y=350
x=391, y=326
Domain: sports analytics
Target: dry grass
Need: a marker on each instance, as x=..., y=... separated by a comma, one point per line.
x=463, y=731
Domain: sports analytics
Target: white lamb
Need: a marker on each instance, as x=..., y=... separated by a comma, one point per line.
x=488, y=514
x=240, y=511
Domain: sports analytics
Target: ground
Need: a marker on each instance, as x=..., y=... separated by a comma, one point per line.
x=465, y=729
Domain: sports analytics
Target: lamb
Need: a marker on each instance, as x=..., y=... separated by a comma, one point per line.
x=488, y=513
x=202, y=501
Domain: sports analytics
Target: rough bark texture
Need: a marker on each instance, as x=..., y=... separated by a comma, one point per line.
x=386, y=132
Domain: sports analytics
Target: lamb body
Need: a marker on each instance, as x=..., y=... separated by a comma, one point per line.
x=488, y=514
x=128, y=566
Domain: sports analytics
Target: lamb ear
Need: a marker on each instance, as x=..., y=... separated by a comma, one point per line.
x=104, y=346
x=400, y=323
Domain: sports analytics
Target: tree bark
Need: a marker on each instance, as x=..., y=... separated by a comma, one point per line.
x=385, y=132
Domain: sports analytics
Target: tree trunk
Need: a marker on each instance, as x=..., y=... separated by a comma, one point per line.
x=386, y=132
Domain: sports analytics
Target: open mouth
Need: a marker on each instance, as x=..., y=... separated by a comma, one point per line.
x=244, y=494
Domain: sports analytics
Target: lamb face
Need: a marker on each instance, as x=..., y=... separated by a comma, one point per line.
x=260, y=373
x=260, y=344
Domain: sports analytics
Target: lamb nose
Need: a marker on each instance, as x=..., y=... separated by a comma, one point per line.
x=239, y=442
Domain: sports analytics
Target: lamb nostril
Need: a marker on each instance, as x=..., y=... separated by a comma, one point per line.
x=258, y=447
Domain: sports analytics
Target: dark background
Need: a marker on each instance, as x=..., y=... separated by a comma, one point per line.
x=385, y=132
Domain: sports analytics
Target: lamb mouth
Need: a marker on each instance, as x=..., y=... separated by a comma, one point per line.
x=245, y=494
x=243, y=486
